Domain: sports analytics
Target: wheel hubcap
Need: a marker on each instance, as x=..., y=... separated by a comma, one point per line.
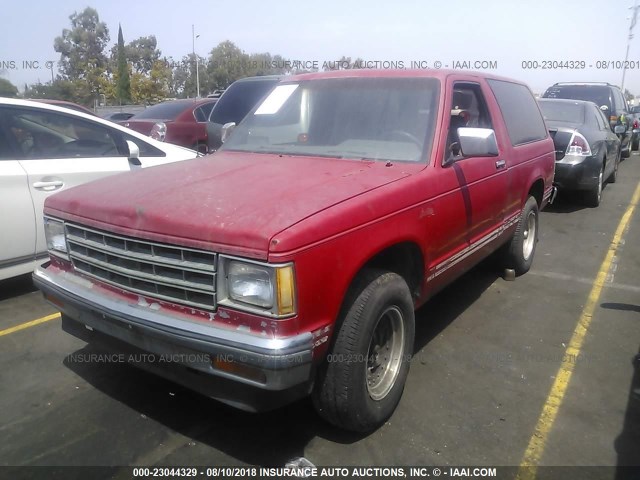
x=384, y=357
x=529, y=235
x=600, y=185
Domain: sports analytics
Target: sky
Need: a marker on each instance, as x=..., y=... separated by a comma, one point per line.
x=524, y=40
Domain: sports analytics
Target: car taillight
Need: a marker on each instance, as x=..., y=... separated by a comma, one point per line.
x=158, y=131
x=578, y=146
x=636, y=124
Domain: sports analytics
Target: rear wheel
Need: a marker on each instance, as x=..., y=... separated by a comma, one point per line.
x=614, y=175
x=360, y=384
x=519, y=251
x=593, y=196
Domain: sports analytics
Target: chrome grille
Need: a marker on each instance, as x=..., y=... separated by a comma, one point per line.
x=177, y=274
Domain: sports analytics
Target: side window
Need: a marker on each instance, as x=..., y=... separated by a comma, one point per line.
x=520, y=112
x=46, y=134
x=146, y=150
x=619, y=102
x=600, y=119
x=8, y=144
x=206, y=110
x=624, y=102
x=468, y=109
x=202, y=113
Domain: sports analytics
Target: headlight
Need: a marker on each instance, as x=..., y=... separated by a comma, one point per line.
x=256, y=287
x=54, y=233
x=159, y=131
x=250, y=284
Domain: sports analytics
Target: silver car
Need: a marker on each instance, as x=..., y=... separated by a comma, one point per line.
x=45, y=149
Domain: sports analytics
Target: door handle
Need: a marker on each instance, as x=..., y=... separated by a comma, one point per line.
x=500, y=164
x=48, y=186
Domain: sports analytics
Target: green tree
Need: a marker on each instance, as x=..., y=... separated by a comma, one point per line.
x=82, y=58
x=184, y=77
x=141, y=54
x=82, y=47
x=227, y=63
x=8, y=89
x=345, y=63
x=58, y=90
x=152, y=88
x=123, y=86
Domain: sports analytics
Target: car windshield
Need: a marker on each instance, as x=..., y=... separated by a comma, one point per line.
x=363, y=118
x=239, y=99
x=592, y=93
x=562, y=111
x=163, y=111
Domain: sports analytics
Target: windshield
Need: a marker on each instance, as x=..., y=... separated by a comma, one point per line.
x=562, y=111
x=364, y=118
x=592, y=93
x=239, y=99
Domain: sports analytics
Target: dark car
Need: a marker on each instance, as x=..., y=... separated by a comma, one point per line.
x=587, y=151
x=119, y=116
x=235, y=103
x=181, y=122
x=606, y=96
x=635, y=127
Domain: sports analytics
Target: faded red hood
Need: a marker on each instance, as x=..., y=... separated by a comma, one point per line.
x=230, y=202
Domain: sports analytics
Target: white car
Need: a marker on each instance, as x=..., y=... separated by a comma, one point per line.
x=45, y=149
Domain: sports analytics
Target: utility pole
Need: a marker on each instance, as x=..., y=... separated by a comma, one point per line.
x=195, y=59
x=631, y=26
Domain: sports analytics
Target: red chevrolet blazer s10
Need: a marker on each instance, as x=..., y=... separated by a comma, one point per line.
x=290, y=263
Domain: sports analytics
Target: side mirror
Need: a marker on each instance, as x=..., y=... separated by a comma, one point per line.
x=478, y=142
x=618, y=129
x=227, y=128
x=134, y=154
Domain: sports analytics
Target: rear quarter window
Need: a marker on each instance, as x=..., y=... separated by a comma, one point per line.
x=520, y=112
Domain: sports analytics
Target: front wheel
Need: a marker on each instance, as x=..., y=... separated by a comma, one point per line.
x=361, y=382
x=519, y=251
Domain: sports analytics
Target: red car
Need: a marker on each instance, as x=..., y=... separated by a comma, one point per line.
x=291, y=261
x=182, y=122
x=65, y=104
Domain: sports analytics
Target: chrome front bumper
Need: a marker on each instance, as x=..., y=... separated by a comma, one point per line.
x=92, y=313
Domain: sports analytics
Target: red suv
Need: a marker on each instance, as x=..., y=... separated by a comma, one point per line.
x=291, y=261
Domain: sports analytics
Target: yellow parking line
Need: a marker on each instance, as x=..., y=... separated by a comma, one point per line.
x=533, y=454
x=32, y=323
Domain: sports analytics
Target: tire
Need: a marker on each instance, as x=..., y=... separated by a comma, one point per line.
x=635, y=145
x=594, y=196
x=360, y=384
x=614, y=175
x=518, y=253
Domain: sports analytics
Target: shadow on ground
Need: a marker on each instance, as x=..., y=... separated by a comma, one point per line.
x=270, y=438
x=14, y=287
x=627, y=445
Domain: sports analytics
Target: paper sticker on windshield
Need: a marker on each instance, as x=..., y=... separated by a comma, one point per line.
x=276, y=99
